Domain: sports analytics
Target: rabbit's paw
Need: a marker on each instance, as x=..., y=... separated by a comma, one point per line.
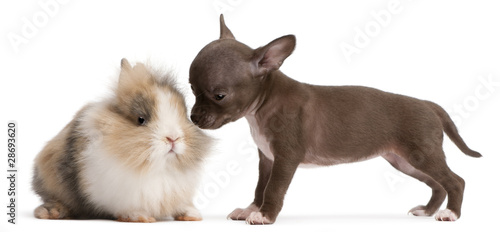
x=191, y=214
x=51, y=211
x=136, y=218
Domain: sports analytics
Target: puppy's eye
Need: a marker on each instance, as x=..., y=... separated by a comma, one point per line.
x=141, y=121
x=219, y=97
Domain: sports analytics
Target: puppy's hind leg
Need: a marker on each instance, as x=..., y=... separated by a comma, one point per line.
x=434, y=165
x=438, y=192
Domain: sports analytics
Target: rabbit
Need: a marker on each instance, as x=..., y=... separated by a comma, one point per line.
x=134, y=156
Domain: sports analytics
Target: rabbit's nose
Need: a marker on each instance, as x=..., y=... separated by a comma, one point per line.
x=172, y=140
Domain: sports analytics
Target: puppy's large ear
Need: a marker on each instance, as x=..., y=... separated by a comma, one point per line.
x=225, y=33
x=271, y=56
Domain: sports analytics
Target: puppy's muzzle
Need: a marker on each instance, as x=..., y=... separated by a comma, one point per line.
x=201, y=118
x=195, y=118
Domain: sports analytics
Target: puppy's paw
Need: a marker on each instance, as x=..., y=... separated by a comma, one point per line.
x=419, y=211
x=51, y=211
x=256, y=218
x=136, y=218
x=242, y=214
x=446, y=215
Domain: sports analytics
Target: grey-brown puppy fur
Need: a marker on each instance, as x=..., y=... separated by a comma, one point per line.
x=295, y=124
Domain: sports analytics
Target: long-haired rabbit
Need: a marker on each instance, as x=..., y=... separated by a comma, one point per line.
x=134, y=156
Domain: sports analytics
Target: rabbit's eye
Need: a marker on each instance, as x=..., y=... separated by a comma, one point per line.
x=141, y=121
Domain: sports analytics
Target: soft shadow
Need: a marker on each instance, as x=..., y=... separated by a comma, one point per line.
x=350, y=217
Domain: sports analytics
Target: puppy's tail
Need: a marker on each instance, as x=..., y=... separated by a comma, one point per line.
x=451, y=130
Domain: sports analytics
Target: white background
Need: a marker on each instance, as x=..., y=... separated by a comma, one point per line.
x=433, y=50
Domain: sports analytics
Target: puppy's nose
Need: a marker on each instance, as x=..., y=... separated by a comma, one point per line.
x=195, y=119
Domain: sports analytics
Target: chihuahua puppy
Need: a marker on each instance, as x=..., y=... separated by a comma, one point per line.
x=296, y=124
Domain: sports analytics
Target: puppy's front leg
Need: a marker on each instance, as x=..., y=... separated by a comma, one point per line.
x=283, y=169
x=265, y=166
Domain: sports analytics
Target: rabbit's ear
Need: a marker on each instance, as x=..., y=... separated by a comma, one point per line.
x=125, y=64
x=130, y=77
x=125, y=74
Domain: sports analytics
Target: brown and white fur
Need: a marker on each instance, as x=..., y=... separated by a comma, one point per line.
x=134, y=156
x=296, y=124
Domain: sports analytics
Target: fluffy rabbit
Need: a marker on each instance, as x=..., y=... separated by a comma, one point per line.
x=132, y=157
